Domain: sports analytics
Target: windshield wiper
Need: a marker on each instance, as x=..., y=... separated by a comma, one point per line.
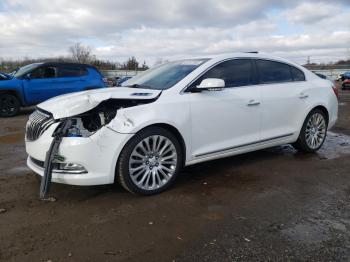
x=139, y=86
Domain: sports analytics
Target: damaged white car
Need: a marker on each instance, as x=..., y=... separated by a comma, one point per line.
x=178, y=114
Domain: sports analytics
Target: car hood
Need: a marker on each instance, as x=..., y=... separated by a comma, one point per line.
x=77, y=103
x=4, y=76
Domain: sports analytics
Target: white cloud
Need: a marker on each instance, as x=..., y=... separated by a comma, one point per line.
x=309, y=12
x=154, y=28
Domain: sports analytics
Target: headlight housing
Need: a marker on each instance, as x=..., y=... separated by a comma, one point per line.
x=77, y=129
x=87, y=124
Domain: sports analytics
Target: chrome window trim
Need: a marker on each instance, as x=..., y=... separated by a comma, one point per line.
x=185, y=91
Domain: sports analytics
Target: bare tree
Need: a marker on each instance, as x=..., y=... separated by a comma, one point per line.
x=81, y=53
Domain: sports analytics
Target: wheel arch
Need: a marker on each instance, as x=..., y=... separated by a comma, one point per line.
x=176, y=133
x=307, y=112
x=14, y=93
x=323, y=109
x=165, y=126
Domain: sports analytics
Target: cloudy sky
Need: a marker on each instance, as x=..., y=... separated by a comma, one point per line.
x=153, y=29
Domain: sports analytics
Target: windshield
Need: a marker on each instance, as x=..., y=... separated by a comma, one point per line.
x=164, y=76
x=25, y=69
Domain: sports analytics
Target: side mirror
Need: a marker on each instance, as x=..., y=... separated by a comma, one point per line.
x=28, y=76
x=214, y=84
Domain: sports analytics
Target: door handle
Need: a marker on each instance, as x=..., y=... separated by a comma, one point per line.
x=303, y=95
x=253, y=102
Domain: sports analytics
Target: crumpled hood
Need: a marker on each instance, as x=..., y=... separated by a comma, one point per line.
x=77, y=103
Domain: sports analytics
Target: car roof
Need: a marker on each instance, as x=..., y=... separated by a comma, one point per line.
x=64, y=64
x=252, y=54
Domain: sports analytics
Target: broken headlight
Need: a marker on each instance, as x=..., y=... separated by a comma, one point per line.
x=86, y=125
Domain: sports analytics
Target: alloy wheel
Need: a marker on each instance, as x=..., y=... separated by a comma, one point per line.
x=153, y=162
x=315, y=132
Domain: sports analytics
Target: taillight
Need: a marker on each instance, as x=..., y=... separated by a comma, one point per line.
x=336, y=92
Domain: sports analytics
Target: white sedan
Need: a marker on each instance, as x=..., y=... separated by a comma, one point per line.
x=179, y=114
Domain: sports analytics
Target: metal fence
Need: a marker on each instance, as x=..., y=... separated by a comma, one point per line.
x=119, y=73
x=331, y=73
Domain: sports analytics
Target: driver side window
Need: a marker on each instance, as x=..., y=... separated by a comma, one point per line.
x=44, y=72
x=237, y=72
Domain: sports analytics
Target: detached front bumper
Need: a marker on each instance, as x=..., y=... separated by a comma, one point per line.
x=98, y=154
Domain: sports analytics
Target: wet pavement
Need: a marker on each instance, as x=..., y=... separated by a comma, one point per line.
x=274, y=204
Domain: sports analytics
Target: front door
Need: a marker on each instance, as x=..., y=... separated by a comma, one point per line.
x=41, y=84
x=228, y=119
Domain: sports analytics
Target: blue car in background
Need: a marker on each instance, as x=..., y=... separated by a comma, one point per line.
x=345, y=76
x=35, y=83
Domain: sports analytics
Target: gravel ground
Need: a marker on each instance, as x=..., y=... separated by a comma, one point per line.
x=275, y=204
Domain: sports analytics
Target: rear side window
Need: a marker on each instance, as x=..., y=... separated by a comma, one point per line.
x=238, y=72
x=298, y=75
x=71, y=71
x=273, y=72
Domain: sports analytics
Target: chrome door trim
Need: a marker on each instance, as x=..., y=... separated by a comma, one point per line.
x=244, y=145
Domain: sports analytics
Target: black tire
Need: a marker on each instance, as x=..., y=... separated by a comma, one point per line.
x=9, y=105
x=301, y=144
x=122, y=170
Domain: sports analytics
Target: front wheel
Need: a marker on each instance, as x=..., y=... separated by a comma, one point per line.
x=150, y=161
x=9, y=105
x=313, y=133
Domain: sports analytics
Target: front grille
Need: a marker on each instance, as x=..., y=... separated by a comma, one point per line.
x=37, y=124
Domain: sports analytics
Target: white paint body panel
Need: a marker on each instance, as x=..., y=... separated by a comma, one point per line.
x=213, y=124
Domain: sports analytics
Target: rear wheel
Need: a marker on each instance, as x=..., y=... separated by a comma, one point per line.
x=150, y=161
x=313, y=132
x=9, y=105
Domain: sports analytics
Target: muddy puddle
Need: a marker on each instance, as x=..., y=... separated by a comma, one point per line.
x=12, y=138
x=19, y=170
x=335, y=145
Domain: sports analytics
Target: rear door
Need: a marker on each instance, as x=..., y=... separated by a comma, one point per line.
x=228, y=119
x=70, y=79
x=283, y=95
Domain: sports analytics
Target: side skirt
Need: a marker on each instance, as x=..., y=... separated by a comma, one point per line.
x=240, y=149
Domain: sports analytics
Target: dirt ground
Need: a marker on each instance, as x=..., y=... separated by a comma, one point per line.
x=275, y=204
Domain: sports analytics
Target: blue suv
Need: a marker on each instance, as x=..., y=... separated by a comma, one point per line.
x=35, y=83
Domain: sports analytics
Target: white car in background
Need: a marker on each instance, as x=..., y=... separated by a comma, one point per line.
x=179, y=114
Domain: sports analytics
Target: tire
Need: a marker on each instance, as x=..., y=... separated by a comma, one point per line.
x=9, y=105
x=313, y=132
x=146, y=165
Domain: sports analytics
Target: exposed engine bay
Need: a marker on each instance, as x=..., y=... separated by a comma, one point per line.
x=83, y=125
x=86, y=124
